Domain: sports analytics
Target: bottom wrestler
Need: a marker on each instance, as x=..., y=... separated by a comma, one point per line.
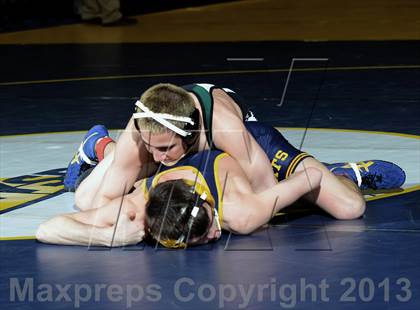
x=176, y=217
x=208, y=191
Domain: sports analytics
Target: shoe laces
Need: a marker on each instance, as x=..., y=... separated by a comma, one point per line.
x=371, y=180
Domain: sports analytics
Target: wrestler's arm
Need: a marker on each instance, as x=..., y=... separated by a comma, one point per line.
x=129, y=158
x=97, y=227
x=66, y=230
x=251, y=211
x=233, y=138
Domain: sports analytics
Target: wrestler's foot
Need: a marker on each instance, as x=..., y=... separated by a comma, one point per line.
x=85, y=156
x=371, y=174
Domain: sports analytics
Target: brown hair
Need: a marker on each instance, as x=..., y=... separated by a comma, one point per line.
x=165, y=98
x=168, y=212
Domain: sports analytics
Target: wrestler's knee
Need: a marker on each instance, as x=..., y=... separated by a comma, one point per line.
x=351, y=207
x=83, y=193
x=80, y=200
x=83, y=198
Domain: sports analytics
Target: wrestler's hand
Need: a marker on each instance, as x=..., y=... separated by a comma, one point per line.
x=130, y=229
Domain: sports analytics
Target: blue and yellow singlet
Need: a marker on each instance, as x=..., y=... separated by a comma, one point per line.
x=205, y=166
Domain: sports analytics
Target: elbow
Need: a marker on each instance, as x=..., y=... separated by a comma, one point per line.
x=47, y=232
x=242, y=225
x=42, y=233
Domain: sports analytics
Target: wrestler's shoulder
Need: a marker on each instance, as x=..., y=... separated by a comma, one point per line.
x=225, y=108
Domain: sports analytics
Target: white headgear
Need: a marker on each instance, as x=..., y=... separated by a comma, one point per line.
x=163, y=118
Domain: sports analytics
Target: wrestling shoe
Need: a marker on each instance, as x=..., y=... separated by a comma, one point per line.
x=371, y=174
x=85, y=156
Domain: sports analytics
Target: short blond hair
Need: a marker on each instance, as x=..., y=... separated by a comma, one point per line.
x=165, y=98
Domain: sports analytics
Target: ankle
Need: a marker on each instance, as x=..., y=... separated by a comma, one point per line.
x=103, y=147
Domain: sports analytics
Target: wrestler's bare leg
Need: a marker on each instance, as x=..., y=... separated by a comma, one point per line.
x=337, y=195
x=87, y=190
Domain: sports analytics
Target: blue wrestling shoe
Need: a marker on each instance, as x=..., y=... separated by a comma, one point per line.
x=85, y=156
x=371, y=174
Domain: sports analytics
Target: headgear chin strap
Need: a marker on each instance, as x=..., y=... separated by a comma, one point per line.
x=163, y=118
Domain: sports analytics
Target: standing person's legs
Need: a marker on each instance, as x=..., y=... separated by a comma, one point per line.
x=108, y=11
x=89, y=10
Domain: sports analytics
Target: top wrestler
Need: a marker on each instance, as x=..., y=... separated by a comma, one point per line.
x=241, y=210
x=170, y=122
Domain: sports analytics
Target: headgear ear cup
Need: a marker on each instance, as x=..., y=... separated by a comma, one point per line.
x=135, y=120
x=193, y=130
